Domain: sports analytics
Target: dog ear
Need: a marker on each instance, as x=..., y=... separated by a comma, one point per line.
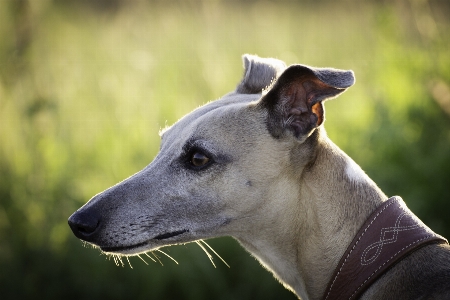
x=294, y=102
x=259, y=73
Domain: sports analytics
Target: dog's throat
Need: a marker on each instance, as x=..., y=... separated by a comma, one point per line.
x=170, y=234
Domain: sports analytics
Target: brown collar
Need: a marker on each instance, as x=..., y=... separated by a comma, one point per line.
x=388, y=235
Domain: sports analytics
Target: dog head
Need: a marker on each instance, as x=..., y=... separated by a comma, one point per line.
x=221, y=167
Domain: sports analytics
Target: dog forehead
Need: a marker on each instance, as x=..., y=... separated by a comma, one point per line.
x=226, y=114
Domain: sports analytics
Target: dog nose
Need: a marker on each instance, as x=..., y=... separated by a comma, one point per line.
x=84, y=224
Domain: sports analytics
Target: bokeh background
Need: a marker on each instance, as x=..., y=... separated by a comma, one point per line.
x=85, y=86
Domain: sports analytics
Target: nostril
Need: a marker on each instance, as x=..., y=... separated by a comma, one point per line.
x=86, y=229
x=83, y=230
x=84, y=224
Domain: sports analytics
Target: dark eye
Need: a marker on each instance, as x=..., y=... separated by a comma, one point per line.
x=199, y=159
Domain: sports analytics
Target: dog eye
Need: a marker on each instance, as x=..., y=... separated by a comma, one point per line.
x=199, y=159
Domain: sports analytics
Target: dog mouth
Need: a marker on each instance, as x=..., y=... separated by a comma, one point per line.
x=159, y=237
x=170, y=234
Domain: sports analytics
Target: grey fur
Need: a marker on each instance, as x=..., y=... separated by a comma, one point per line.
x=272, y=179
x=259, y=73
x=336, y=78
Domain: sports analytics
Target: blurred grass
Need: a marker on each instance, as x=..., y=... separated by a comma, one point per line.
x=85, y=88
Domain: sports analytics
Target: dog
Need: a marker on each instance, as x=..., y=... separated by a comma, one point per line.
x=257, y=165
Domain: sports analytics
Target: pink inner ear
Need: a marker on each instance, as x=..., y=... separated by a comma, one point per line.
x=294, y=102
x=317, y=110
x=302, y=113
x=296, y=96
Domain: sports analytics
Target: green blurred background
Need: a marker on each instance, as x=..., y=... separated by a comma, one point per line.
x=85, y=86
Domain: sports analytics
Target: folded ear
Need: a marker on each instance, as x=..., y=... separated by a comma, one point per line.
x=259, y=73
x=294, y=102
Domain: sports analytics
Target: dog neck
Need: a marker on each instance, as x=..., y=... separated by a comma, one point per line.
x=332, y=198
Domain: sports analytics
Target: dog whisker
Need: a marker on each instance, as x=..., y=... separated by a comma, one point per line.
x=121, y=261
x=206, y=252
x=202, y=241
x=128, y=259
x=116, y=261
x=157, y=258
x=149, y=256
x=167, y=255
x=142, y=259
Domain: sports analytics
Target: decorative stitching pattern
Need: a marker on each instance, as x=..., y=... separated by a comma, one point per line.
x=383, y=241
x=354, y=277
x=406, y=247
x=357, y=241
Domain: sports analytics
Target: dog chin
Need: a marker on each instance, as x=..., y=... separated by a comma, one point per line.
x=160, y=240
x=127, y=250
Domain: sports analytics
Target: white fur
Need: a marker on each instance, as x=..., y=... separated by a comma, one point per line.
x=354, y=172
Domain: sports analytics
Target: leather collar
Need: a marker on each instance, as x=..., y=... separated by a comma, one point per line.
x=388, y=235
